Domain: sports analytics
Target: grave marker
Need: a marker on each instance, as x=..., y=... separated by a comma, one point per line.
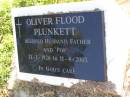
x=117, y=37
x=70, y=45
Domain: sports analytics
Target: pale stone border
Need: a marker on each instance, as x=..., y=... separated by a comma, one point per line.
x=47, y=9
x=117, y=38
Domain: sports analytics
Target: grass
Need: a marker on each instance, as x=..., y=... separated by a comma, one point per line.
x=6, y=45
x=6, y=49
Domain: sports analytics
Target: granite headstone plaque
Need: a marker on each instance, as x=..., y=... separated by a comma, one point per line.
x=70, y=45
